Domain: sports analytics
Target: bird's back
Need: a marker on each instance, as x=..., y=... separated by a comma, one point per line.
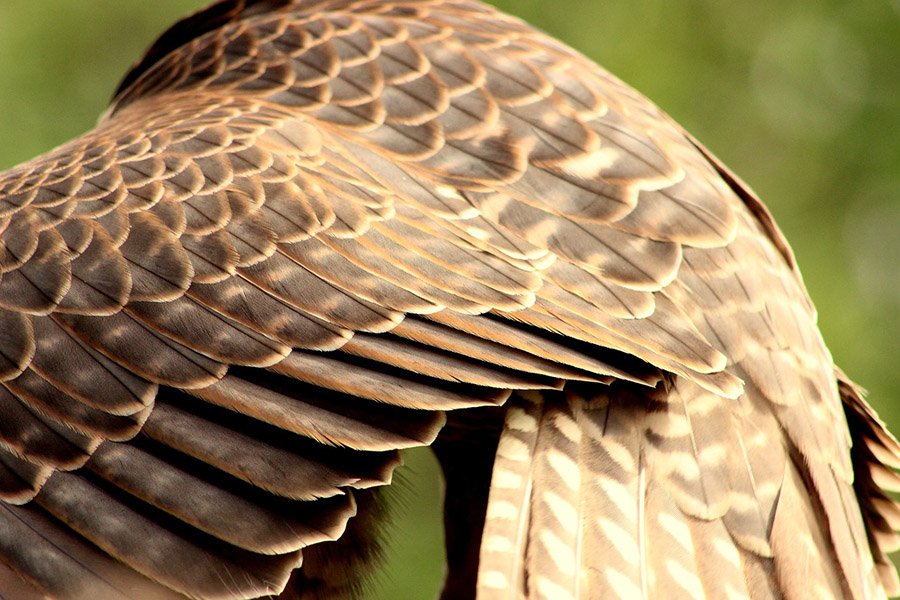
x=307, y=235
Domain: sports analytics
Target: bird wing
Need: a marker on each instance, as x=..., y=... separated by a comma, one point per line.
x=304, y=231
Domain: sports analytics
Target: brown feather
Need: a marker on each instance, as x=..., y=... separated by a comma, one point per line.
x=309, y=234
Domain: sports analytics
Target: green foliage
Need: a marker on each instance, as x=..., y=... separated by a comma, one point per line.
x=799, y=98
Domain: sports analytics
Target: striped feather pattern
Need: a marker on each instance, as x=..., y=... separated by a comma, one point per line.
x=625, y=494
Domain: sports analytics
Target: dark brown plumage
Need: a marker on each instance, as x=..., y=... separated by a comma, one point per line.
x=309, y=234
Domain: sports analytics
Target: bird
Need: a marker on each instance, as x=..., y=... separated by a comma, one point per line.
x=308, y=234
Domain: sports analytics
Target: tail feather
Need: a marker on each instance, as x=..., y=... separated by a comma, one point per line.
x=624, y=492
x=720, y=562
x=616, y=485
x=803, y=570
x=555, y=546
x=564, y=517
x=501, y=571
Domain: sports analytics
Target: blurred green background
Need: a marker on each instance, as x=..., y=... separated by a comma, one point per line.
x=800, y=98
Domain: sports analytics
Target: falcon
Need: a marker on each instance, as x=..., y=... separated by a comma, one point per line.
x=308, y=234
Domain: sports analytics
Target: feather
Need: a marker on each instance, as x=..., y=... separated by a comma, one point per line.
x=307, y=235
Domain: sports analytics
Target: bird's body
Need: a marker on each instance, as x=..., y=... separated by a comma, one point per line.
x=309, y=234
